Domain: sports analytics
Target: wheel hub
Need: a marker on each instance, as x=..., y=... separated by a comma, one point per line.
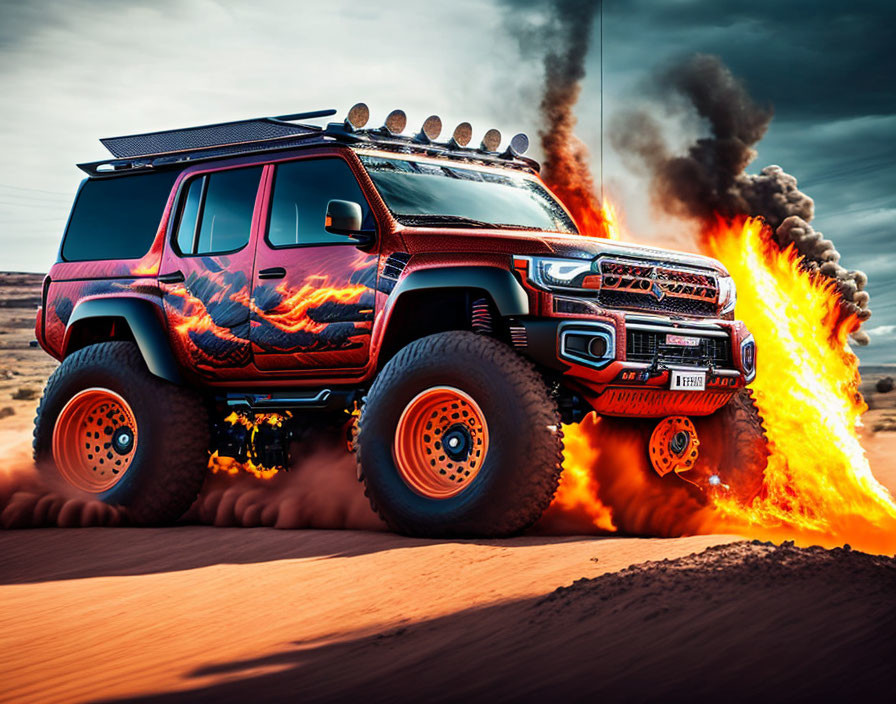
x=679, y=442
x=441, y=441
x=458, y=442
x=122, y=440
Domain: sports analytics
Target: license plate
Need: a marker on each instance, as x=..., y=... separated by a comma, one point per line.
x=682, y=341
x=688, y=381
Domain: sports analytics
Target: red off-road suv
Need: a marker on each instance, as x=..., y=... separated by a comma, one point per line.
x=284, y=274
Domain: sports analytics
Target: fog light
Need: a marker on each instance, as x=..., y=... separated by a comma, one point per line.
x=597, y=347
x=587, y=343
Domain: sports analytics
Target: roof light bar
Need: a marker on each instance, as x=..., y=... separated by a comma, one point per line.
x=265, y=134
x=432, y=128
x=519, y=144
x=463, y=133
x=395, y=122
x=357, y=117
x=491, y=141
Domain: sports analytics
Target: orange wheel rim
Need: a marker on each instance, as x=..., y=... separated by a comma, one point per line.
x=94, y=440
x=441, y=442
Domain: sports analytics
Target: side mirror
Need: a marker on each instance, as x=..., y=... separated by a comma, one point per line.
x=344, y=218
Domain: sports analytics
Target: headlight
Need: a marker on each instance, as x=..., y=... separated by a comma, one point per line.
x=727, y=295
x=559, y=273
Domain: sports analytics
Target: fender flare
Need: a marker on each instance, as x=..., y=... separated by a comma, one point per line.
x=142, y=316
x=509, y=296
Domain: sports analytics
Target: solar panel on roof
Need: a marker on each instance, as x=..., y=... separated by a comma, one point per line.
x=205, y=136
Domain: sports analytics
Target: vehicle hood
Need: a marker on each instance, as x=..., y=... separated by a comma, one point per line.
x=528, y=243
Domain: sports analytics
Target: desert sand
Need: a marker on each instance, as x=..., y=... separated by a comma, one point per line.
x=196, y=612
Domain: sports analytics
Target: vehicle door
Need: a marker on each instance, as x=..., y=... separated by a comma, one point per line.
x=207, y=267
x=313, y=291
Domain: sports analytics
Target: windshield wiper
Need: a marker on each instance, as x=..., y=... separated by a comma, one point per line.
x=457, y=221
x=444, y=220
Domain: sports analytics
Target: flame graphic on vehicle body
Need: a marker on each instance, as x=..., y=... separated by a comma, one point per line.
x=294, y=312
x=214, y=313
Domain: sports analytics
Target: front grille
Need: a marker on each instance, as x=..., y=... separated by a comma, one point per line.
x=639, y=301
x=645, y=345
x=659, y=288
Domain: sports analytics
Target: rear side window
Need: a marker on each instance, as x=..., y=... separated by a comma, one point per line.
x=117, y=218
x=302, y=190
x=186, y=229
x=216, y=212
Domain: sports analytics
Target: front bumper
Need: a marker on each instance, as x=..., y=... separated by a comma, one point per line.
x=621, y=363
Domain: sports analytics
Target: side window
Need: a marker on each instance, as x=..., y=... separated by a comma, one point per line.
x=216, y=213
x=186, y=229
x=116, y=218
x=302, y=190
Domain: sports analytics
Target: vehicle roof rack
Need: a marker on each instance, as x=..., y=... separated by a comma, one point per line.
x=153, y=150
x=259, y=129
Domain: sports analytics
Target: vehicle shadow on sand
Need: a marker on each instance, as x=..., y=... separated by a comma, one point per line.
x=740, y=622
x=44, y=555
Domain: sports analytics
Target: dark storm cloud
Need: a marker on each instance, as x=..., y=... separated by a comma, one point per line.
x=818, y=60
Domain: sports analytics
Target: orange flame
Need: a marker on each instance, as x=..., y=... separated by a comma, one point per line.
x=571, y=185
x=611, y=226
x=596, y=220
x=577, y=493
x=818, y=484
x=230, y=465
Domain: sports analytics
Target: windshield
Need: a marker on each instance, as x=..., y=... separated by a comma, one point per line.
x=445, y=195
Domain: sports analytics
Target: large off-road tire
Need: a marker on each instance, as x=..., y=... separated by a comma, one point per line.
x=734, y=445
x=108, y=428
x=459, y=437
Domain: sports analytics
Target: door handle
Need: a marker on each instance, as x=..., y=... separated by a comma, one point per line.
x=175, y=277
x=275, y=272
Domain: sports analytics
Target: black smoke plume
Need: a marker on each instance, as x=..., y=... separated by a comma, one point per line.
x=710, y=178
x=566, y=166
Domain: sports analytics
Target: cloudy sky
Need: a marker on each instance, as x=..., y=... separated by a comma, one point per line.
x=74, y=71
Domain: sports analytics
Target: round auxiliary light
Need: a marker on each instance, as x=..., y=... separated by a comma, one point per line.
x=598, y=347
x=519, y=143
x=358, y=116
x=491, y=141
x=396, y=121
x=432, y=127
x=463, y=133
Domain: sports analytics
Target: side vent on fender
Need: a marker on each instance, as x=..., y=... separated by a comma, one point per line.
x=393, y=267
x=519, y=337
x=481, y=317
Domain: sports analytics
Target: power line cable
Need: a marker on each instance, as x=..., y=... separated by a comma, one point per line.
x=601, y=30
